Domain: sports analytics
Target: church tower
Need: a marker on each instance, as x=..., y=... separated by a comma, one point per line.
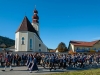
x=35, y=22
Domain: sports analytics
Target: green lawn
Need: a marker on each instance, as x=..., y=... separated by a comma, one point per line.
x=85, y=72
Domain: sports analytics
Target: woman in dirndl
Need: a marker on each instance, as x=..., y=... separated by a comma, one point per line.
x=34, y=66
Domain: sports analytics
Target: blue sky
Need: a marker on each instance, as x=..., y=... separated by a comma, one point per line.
x=60, y=20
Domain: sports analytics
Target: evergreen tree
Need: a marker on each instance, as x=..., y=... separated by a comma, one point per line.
x=7, y=41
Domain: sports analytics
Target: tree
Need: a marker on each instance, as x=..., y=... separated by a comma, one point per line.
x=62, y=47
x=7, y=41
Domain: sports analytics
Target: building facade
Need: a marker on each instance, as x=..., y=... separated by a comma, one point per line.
x=84, y=47
x=27, y=36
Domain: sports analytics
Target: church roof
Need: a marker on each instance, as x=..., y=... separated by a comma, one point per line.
x=27, y=26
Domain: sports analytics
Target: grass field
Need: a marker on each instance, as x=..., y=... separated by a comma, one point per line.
x=85, y=72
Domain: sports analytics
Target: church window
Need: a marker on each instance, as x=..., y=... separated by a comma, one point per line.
x=23, y=41
x=30, y=44
x=39, y=45
x=39, y=50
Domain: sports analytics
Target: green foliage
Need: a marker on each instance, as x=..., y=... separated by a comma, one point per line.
x=85, y=72
x=7, y=41
x=62, y=47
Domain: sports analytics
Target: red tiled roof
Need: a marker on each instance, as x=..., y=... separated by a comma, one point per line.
x=82, y=43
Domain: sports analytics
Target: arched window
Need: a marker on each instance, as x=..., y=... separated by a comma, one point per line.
x=23, y=41
x=31, y=43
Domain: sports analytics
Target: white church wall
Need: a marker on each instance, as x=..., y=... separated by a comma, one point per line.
x=17, y=41
x=42, y=47
x=31, y=36
x=20, y=46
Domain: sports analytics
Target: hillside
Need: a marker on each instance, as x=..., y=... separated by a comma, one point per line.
x=7, y=41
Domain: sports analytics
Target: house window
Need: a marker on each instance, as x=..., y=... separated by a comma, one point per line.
x=39, y=45
x=83, y=48
x=77, y=49
x=88, y=49
x=31, y=44
x=39, y=50
x=99, y=49
x=23, y=41
x=94, y=48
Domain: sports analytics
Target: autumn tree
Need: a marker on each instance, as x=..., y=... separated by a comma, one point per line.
x=62, y=47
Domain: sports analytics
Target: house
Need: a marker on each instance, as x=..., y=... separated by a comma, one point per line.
x=83, y=46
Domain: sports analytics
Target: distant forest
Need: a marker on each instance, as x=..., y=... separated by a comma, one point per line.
x=7, y=41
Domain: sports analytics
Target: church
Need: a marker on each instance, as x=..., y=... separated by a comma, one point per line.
x=27, y=36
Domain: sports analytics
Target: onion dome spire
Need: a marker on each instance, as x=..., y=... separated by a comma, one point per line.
x=35, y=16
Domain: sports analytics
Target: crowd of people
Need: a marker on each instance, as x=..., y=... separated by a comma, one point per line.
x=51, y=61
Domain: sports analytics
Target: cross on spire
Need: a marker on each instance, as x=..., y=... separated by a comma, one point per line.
x=35, y=6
